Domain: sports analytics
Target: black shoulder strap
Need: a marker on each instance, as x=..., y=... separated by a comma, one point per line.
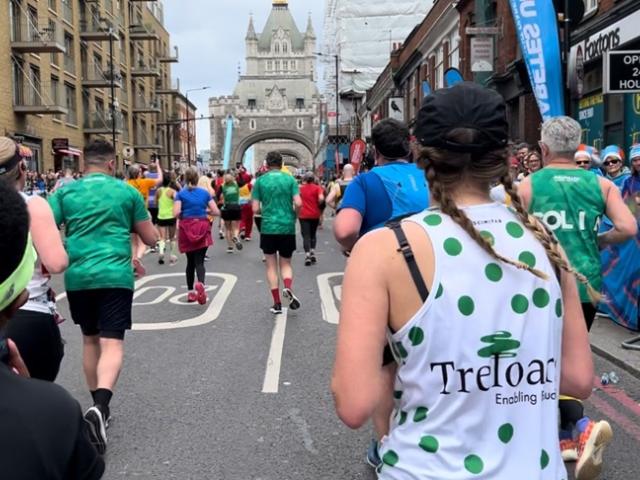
x=407, y=252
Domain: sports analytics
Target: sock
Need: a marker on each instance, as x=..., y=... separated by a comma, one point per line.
x=171, y=247
x=288, y=282
x=582, y=424
x=93, y=395
x=566, y=434
x=102, y=397
x=161, y=246
x=275, y=293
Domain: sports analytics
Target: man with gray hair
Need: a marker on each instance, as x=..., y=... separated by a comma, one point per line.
x=571, y=202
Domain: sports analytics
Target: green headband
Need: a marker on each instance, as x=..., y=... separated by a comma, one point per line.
x=13, y=286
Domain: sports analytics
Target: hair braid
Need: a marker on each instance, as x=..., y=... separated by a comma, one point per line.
x=548, y=240
x=448, y=206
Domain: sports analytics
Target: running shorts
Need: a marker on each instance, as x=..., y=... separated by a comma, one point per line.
x=153, y=211
x=231, y=213
x=271, y=244
x=104, y=311
x=167, y=222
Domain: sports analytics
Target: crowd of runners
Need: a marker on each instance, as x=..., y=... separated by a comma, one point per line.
x=474, y=273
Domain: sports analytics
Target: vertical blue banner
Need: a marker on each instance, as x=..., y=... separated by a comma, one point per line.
x=537, y=29
x=227, y=143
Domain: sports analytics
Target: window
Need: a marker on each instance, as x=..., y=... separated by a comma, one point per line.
x=54, y=56
x=294, y=65
x=269, y=65
x=252, y=124
x=125, y=126
x=100, y=109
x=55, y=93
x=252, y=103
x=277, y=65
x=70, y=92
x=69, y=61
x=300, y=124
x=35, y=95
x=285, y=65
x=300, y=103
x=18, y=86
x=590, y=6
x=276, y=47
x=285, y=47
x=613, y=116
x=53, y=5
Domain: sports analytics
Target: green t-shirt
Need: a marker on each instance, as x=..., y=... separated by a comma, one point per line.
x=231, y=193
x=98, y=213
x=275, y=191
x=570, y=203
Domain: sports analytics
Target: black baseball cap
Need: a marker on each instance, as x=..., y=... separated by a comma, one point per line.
x=465, y=105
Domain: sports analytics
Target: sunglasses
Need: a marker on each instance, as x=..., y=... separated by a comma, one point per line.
x=611, y=162
x=583, y=162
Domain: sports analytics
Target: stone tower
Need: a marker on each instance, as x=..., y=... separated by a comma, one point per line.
x=277, y=97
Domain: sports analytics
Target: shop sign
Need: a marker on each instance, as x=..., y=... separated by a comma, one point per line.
x=609, y=38
x=356, y=153
x=622, y=72
x=591, y=118
x=482, y=54
x=60, y=144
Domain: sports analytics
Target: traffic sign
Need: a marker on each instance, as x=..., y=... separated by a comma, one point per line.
x=622, y=71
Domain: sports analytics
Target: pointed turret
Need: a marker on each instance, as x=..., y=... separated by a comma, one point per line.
x=251, y=31
x=310, y=33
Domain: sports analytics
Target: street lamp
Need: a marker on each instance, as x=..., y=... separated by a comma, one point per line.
x=189, y=121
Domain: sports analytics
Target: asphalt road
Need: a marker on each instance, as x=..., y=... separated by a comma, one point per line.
x=229, y=393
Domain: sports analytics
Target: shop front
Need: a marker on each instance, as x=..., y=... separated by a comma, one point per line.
x=606, y=119
x=65, y=156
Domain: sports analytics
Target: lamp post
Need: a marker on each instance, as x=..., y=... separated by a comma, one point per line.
x=189, y=121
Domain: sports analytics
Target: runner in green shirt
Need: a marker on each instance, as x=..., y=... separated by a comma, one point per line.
x=231, y=212
x=99, y=214
x=277, y=197
x=571, y=202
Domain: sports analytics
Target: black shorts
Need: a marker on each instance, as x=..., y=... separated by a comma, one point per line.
x=104, y=311
x=167, y=222
x=271, y=244
x=153, y=211
x=231, y=213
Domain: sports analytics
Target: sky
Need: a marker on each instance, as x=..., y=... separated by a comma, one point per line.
x=210, y=37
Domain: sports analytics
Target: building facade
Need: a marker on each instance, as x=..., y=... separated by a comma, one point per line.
x=60, y=78
x=277, y=97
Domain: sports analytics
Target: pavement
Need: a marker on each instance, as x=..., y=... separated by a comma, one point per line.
x=230, y=392
x=607, y=338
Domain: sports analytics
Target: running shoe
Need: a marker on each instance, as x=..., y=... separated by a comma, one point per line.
x=97, y=430
x=373, y=456
x=276, y=309
x=247, y=239
x=307, y=261
x=594, y=437
x=237, y=243
x=221, y=235
x=173, y=260
x=161, y=260
x=569, y=450
x=201, y=294
x=138, y=267
x=192, y=297
x=242, y=236
x=314, y=260
x=294, y=303
x=229, y=249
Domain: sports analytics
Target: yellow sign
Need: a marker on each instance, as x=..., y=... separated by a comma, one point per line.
x=591, y=101
x=636, y=103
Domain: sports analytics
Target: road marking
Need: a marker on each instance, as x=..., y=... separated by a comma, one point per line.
x=181, y=299
x=274, y=361
x=211, y=312
x=168, y=291
x=328, y=295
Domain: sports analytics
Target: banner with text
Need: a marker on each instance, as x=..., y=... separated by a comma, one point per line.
x=537, y=29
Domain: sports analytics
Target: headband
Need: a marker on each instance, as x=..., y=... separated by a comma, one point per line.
x=15, y=283
x=12, y=162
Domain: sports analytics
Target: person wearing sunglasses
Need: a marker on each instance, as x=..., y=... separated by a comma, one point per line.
x=613, y=165
x=584, y=157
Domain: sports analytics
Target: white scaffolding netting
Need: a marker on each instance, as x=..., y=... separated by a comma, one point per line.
x=362, y=33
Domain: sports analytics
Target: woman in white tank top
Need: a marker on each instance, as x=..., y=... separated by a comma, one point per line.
x=479, y=308
x=34, y=327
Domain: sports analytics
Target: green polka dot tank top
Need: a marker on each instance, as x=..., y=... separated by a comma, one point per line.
x=478, y=377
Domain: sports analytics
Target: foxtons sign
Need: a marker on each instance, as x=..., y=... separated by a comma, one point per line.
x=622, y=72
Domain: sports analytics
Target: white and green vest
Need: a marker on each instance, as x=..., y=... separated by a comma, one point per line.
x=479, y=364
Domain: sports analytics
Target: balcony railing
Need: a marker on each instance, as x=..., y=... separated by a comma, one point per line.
x=168, y=57
x=171, y=120
x=100, y=123
x=41, y=37
x=95, y=76
x=42, y=99
x=142, y=141
x=142, y=105
x=95, y=30
x=142, y=32
x=145, y=68
x=172, y=89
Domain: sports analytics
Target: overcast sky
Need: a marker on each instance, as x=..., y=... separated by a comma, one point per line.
x=210, y=35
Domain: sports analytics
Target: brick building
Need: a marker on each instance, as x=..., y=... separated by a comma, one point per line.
x=58, y=77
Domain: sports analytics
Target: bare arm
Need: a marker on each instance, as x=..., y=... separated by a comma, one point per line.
x=213, y=208
x=177, y=208
x=297, y=203
x=331, y=198
x=346, y=227
x=624, y=223
x=524, y=192
x=147, y=232
x=358, y=380
x=160, y=178
x=46, y=237
x=577, y=363
x=255, y=205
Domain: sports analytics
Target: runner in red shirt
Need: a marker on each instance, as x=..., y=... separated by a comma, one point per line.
x=312, y=196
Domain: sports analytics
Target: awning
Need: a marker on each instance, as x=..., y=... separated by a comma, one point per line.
x=72, y=152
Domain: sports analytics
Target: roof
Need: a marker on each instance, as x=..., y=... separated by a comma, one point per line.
x=280, y=17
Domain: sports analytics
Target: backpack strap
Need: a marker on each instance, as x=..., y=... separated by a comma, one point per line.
x=407, y=253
